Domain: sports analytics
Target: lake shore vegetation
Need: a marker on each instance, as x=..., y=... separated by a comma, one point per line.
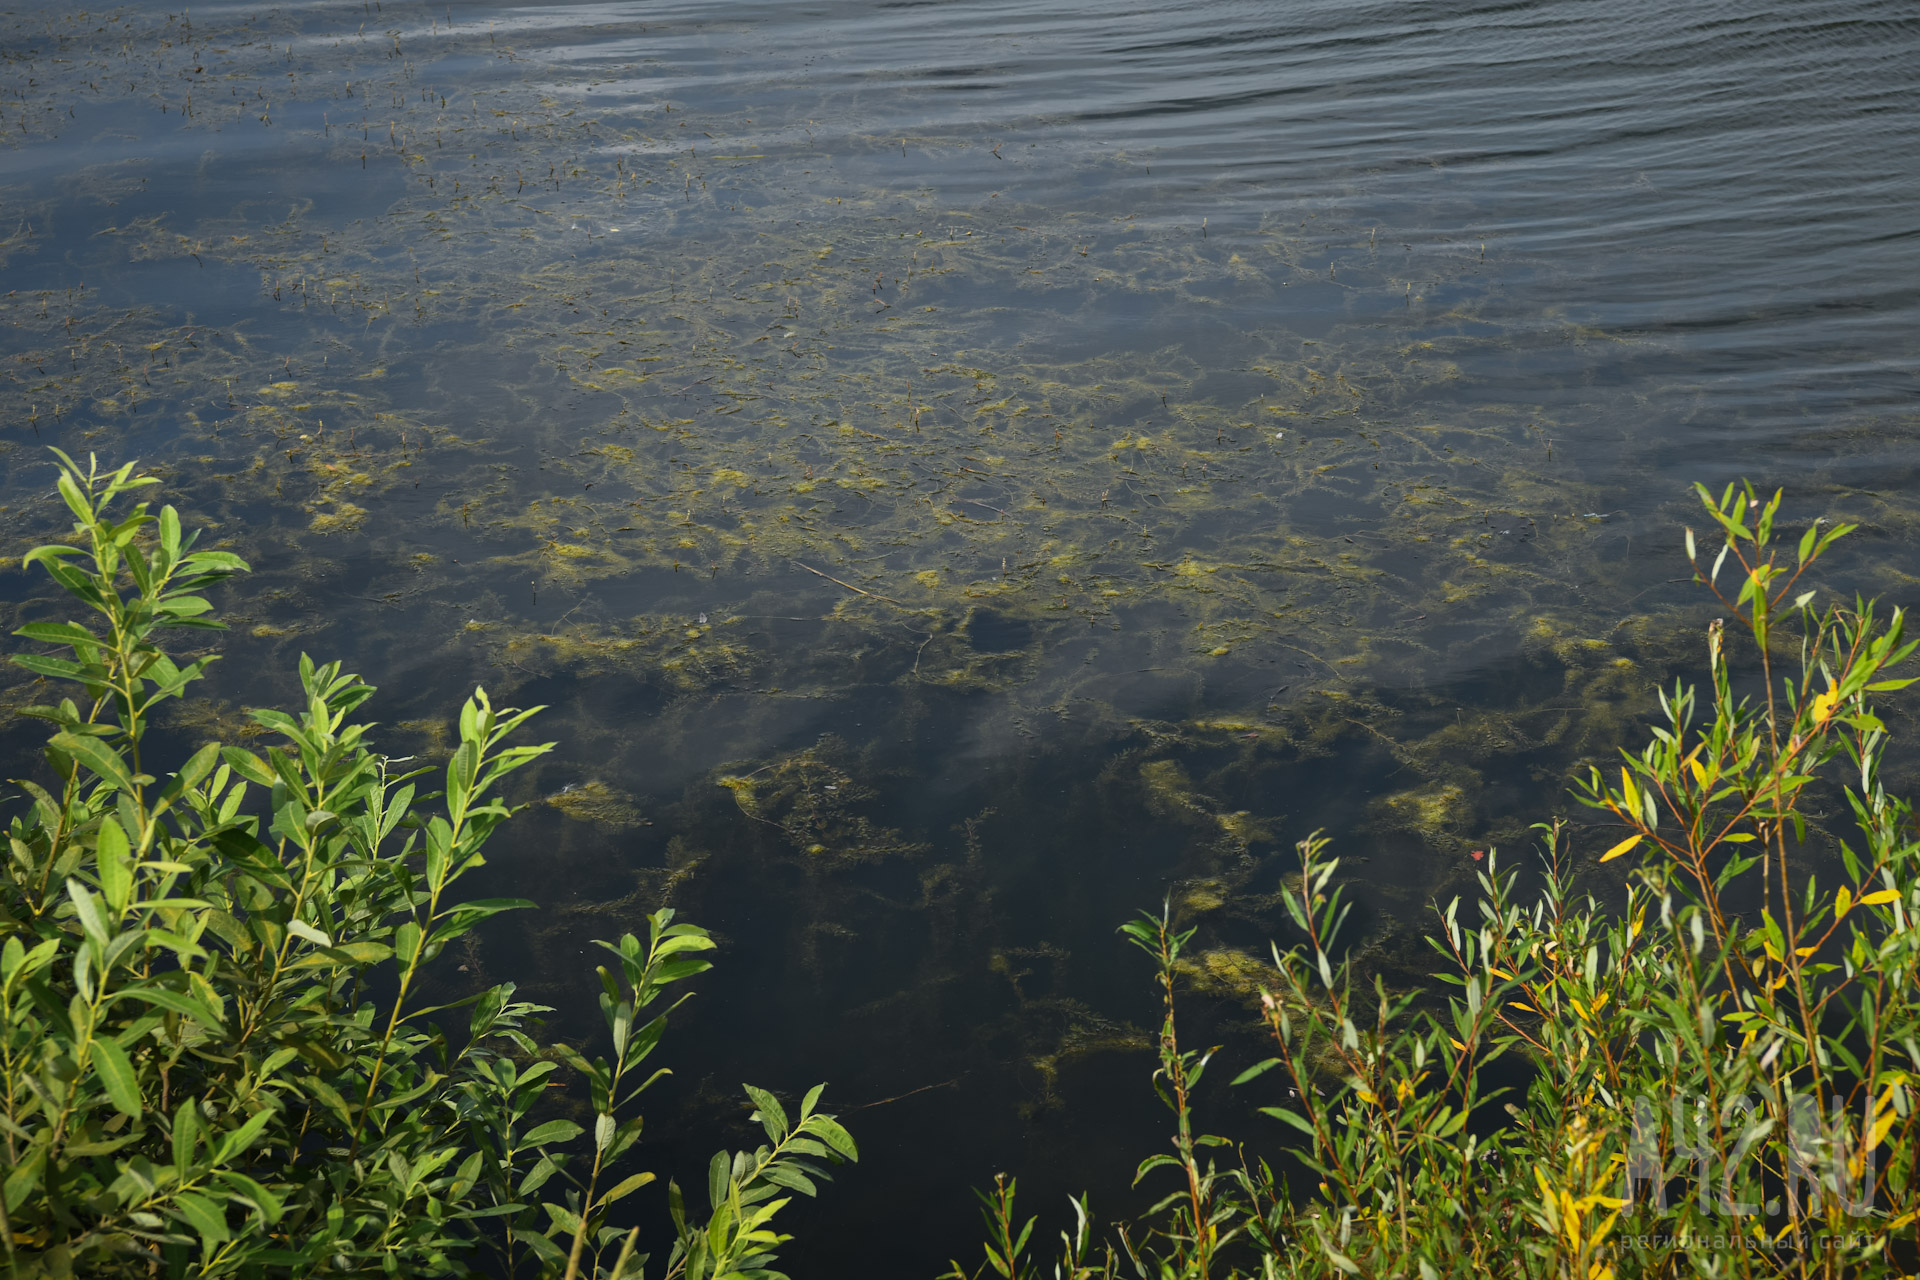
x=216, y=1057
x=222, y=1050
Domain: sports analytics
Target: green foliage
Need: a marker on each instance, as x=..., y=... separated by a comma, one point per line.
x=1720, y=1066
x=213, y=1057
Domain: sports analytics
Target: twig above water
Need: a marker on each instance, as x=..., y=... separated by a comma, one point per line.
x=872, y=595
x=944, y=1084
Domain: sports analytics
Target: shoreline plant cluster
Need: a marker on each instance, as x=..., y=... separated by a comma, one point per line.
x=217, y=1059
x=1718, y=1068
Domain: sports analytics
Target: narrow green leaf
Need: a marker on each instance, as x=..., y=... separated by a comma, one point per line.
x=235, y=1141
x=626, y=1187
x=88, y=910
x=113, y=858
x=829, y=1129
x=248, y=766
x=186, y=1138
x=95, y=755
x=768, y=1111
x=203, y=1216
x=1288, y=1117
x=170, y=1000
x=552, y=1131
x=115, y=1070
x=1257, y=1070
x=52, y=668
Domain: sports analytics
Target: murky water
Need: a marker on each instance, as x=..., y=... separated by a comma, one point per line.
x=960, y=472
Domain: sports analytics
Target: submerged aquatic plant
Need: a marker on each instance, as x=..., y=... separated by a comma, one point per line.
x=1719, y=1062
x=218, y=1054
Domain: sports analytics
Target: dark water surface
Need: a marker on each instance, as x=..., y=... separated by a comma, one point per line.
x=960, y=472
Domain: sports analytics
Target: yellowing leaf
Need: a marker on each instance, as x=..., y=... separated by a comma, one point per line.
x=1880, y=1128
x=1824, y=705
x=1842, y=902
x=1623, y=847
x=1876, y=898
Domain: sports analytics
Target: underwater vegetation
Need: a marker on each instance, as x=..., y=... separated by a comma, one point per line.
x=921, y=574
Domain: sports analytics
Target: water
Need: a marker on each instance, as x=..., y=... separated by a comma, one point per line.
x=959, y=473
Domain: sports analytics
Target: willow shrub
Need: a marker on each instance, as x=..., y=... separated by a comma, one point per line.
x=1720, y=1066
x=214, y=1059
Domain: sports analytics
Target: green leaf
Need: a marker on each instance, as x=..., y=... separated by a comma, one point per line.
x=248, y=766
x=674, y=970
x=95, y=755
x=111, y=1064
x=76, y=498
x=537, y=1177
x=768, y=1111
x=1288, y=1117
x=354, y=954
x=248, y=1192
x=52, y=668
x=1257, y=1070
x=829, y=1129
x=186, y=1138
x=216, y=561
x=326, y=1094
x=113, y=858
x=203, y=1216
x=70, y=633
x=626, y=1187
x=301, y=929
x=89, y=912
x=235, y=1141
x=455, y=921
x=552, y=1131
x=792, y=1179
x=170, y=1000
x=23, y=1178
